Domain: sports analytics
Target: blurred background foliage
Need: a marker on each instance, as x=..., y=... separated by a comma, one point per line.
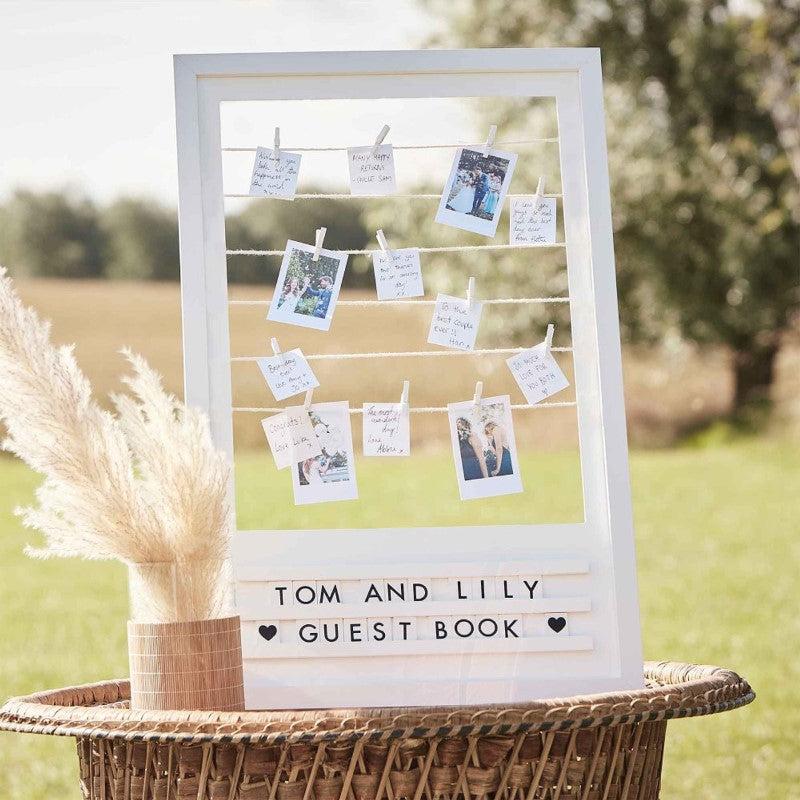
x=703, y=117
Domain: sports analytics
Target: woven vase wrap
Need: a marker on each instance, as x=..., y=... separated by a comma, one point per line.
x=594, y=747
x=186, y=665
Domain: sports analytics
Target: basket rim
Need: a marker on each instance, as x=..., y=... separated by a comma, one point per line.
x=99, y=711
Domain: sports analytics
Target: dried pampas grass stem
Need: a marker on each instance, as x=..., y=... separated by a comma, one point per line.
x=146, y=487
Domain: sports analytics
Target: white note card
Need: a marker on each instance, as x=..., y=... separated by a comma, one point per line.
x=291, y=436
x=537, y=373
x=455, y=323
x=386, y=430
x=275, y=176
x=287, y=374
x=371, y=175
x=397, y=273
x=529, y=226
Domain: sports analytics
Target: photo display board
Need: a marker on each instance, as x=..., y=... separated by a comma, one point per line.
x=369, y=581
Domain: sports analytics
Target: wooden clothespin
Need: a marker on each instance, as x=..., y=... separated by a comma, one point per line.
x=537, y=197
x=307, y=401
x=404, y=398
x=476, y=399
x=489, y=140
x=277, y=350
x=276, y=145
x=379, y=140
x=318, y=243
x=470, y=293
x=382, y=242
x=548, y=339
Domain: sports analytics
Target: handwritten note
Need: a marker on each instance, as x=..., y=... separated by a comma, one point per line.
x=386, y=430
x=275, y=177
x=288, y=376
x=397, y=273
x=455, y=323
x=291, y=437
x=371, y=174
x=529, y=226
x=537, y=373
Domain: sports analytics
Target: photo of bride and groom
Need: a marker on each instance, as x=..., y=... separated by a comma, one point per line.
x=307, y=290
x=476, y=190
x=484, y=448
x=330, y=475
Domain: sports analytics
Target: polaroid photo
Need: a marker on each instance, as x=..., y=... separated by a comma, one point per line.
x=275, y=176
x=484, y=449
x=330, y=475
x=476, y=190
x=307, y=290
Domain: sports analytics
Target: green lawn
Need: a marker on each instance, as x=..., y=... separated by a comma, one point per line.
x=718, y=548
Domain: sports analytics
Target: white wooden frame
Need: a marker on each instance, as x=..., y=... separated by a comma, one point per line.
x=603, y=541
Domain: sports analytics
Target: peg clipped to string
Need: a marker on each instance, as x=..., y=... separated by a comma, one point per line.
x=537, y=197
x=276, y=144
x=487, y=146
x=320, y=238
x=379, y=140
x=548, y=339
x=381, y=237
x=276, y=348
x=309, y=398
x=476, y=399
x=470, y=293
x=403, y=404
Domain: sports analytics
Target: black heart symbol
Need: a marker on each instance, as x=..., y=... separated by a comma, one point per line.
x=269, y=632
x=557, y=623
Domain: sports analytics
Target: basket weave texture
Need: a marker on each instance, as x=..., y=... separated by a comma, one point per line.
x=593, y=747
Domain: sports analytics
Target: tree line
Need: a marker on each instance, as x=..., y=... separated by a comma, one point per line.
x=63, y=234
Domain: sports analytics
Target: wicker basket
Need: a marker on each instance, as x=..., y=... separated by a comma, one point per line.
x=594, y=747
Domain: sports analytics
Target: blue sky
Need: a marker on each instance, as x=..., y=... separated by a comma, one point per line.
x=86, y=87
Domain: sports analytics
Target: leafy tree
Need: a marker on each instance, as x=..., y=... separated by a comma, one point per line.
x=702, y=112
x=53, y=234
x=142, y=240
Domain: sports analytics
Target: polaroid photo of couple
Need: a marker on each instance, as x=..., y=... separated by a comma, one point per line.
x=331, y=475
x=307, y=290
x=476, y=190
x=484, y=449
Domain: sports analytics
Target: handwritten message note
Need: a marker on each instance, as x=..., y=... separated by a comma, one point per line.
x=455, y=322
x=275, y=177
x=288, y=375
x=291, y=437
x=386, y=430
x=529, y=226
x=537, y=373
x=371, y=175
x=397, y=273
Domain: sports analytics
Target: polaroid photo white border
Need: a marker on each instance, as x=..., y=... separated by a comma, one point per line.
x=328, y=491
x=465, y=220
x=489, y=486
x=593, y=556
x=276, y=312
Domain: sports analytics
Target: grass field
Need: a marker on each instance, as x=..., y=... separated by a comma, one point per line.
x=717, y=549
